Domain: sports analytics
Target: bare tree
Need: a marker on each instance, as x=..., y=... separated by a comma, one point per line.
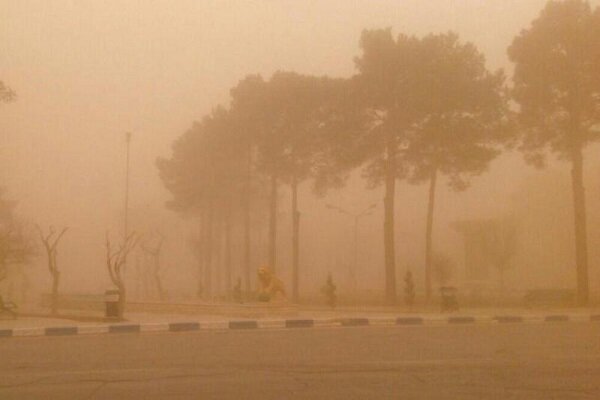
x=152, y=249
x=115, y=261
x=50, y=242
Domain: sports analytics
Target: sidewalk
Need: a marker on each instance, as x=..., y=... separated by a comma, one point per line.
x=304, y=318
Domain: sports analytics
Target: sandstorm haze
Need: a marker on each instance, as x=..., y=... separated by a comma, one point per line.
x=87, y=72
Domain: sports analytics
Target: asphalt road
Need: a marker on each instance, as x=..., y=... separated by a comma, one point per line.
x=508, y=361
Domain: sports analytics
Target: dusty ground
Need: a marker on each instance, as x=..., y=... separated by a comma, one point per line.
x=509, y=361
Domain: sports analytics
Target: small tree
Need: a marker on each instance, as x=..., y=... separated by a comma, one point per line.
x=237, y=291
x=409, y=289
x=152, y=248
x=50, y=242
x=329, y=290
x=6, y=93
x=115, y=260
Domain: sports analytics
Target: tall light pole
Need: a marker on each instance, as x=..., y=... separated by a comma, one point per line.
x=356, y=217
x=125, y=227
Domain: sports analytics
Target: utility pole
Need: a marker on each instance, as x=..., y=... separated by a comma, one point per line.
x=126, y=227
x=356, y=217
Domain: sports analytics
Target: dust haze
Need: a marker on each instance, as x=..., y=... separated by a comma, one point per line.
x=86, y=73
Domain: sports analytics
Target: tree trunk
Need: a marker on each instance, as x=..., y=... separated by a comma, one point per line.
x=208, y=252
x=228, y=272
x=388, y=226
x=429, y=233
x=354, y=269
x=295, y=241
x=247, y=238
x=159, y=287
x=55, y=282
x=273, y=224
x=201, y=255
x=580, y=226
x=156, y=276
x=218, y=257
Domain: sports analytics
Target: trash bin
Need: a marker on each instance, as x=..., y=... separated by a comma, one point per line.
x=111, y=299
x=449, y=300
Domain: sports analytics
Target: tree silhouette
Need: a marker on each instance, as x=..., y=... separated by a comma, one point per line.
x=50, y=242
x=152, y=248
x=291, y=151
x=386, y=94
x=115, y=260
x=250, y=115
x=6, y=94
x=463, y=121
x=557, y=88
x=205, y=173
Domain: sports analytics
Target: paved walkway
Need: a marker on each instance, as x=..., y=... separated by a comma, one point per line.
x=74, y=324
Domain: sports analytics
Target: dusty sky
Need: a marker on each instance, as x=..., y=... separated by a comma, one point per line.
x=88, y=71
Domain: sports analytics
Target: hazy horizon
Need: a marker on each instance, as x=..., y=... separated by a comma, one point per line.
x=87, y=72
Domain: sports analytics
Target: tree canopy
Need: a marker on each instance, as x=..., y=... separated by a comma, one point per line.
x=417, y=107
x=464, y=119
x=556, y=79
x=557, y=89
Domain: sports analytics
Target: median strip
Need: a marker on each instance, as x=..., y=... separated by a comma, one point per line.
x=6, y=332
x=184, y=326
x=355, y=321
x=124, y=328
x=556, y=318
x=409, y=321
x=461, y=320
x=299, y=323
x=508, y=319
x=243, y=325
x=61, y=331
x=196, y=326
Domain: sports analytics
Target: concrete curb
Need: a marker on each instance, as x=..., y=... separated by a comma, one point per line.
x=192, y=326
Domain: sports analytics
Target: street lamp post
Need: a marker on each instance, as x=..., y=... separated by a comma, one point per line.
x=356, y=217
x=126, y=227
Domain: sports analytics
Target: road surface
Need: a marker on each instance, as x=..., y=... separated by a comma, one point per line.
x=489, y=361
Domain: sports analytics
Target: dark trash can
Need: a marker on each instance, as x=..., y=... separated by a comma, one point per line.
x=449, y=299
x=111, y=299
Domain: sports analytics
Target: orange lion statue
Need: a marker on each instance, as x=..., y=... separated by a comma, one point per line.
x=269, y=286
